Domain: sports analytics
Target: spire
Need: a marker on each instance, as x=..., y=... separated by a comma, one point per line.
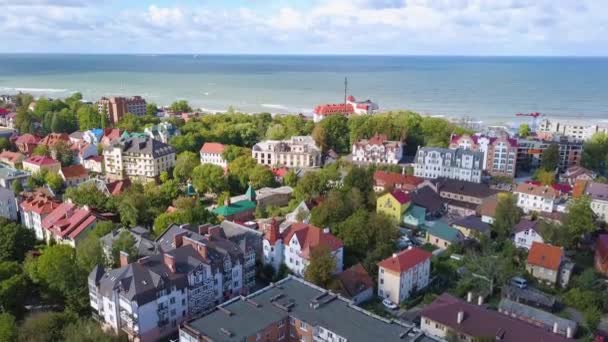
x=250, y=194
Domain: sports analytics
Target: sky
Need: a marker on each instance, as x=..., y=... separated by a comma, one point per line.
x=375, y=27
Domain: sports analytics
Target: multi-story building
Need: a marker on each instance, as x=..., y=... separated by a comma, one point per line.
x=539, y=198
x=34, y=208
x=212, y=153
x=298, y=151
x=598, y=193
x=350, y=107
x=116, y=107
x=403, y=274
x=295, y=310
x=8, y=205
x=293, y=247
x=393, y=204
x=377, y=150
x=499, y=153
x=138, y=158
x=461, y=198
x=8, y=175
x=573, y=129
x=459, y=163
x=36, y=164
x=68, y=223
x=530, y=152
x=164, y=131
x=450, y=316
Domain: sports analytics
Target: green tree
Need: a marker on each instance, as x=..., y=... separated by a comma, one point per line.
x=321, y=267
x=56, y=269
x=544, y=177
x=151, y=109
x=208, y=178
x=43, y=327
x=41, y=150
x=63, y=153
x=88, y=117
x=524, y=130
x=124, y=243
x=184, y=165
x=180, y=106
x=507, y=215
x=13, y=287
x=15, y=241
x=17, y=187
x=24, y=121
x=90, y=195
x=595, y=153
x=579, y=219
x=130, y=123
x=261, y=176
x=54, y=181
x=88, y=330
x=89, y=253
x=188, y=210
x=550, y=158
x=332, y=133
x=4, y=144
x=8, y=328
x=290, y=178
x=231, y=152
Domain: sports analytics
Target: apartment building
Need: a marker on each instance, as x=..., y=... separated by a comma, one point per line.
x=579, y=130
x=377, y=150
x=116, y=107
x=403, y=274
x=8, y=205
x=450, y=316
x=500, y=153
x=34, y=208
x=297, y=151
x=138, y=158
x=530, y=152
x=539, y=198
x=295, y=310
x=459, y=163
x=293, y=246
x=212, y=153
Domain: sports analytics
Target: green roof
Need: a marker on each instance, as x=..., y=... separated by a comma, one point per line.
x=417, y=212
x=250, y=194
x=234, y=208
x=443, y=231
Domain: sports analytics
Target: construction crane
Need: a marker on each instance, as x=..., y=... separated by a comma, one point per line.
x=534, y=116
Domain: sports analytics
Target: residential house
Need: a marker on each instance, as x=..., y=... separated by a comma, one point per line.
x=441, y=235
x=415, y=216
x=526, y=232
x=212, y=153
x=93, y=136
x=461, y=197
x=540, y=318
x=83, y=150
x=163, y=132
x=547, y=263
x=52, y=139
x=8, y=205
x=300, y=214
x=34, y=208
x=76, y=137
x=12, y=159
x=293, y=247
x=535, y=198
x=377, y=150
x=427, y=198
x=242, y=210
x=458, y=164
x=93, y=164
x=348, y=108
x=68, y=223
x=450, y=316
x=576, y=173
x=499, y=153
x=297, y=151
x=403, y=274
x=110, y=135
x=355, y=284
x=8, y=175
x=487, y=209
x=598, y=193
x=601, y=254
x=393, y=204
x=138, y=158
x=74, y=175
x=385, y=181
x=472, y=227
x=295, y=310
x=26, y=143
x=36, y=164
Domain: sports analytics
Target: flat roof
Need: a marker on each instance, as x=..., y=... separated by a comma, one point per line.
x=242, y=317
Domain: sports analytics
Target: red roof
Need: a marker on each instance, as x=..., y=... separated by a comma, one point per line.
x=280, y=172
x=39, y=204
x=355, y=280
x=405, y=260
x=475, y=139
x=13, y=157
x=383, y=178
x=310, y=237
x=117, y=187
x=27, y=139
x=377, y=139
x=68, y=220
x=329, y=109
x=546, y=256
x=212, y=147
x=4, y=111
x=53, y=138
x=74, y=171
x=41, y=160
x=401, y=196
x=561, y=187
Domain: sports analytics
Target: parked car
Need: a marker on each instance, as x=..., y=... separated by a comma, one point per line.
x=388, y=304
x=519, y=282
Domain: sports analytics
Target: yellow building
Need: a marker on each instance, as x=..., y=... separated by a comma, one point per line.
x=393, y=204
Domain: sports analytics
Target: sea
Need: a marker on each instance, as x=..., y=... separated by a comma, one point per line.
x=488, y=89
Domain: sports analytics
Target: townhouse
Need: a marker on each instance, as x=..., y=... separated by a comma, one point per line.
x=404, y=273
x=297, y=151
x=377, y=150
x=393, y=204
x=462, y=198
x=138, y=158
x=26, y=143
x=458, y=164
x=68, y=223
x=598, y=193
x=163, y=132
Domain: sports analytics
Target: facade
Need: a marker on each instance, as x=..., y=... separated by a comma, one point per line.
x=601, y=254
x=530, y=152
x=211, y=153
x=74, y=175
x=448, y=316
x=578, y=130
x=500, y=153
x=138, y=158
x=298, y=151
x=462, y=198
x=116, y=107
x=34, y=208
x=459, y=164
x=350, y=107
x=293, y=247
x=163, y=132
x=393, y=204
x=8, y=205
x=93, y=164
x=295, y=310
x=472, y=227
x=535, y=198
x=377, y=150
x=526, y=233
x=36, y=164
x=68, y=224
x=12, y=159
x=8, y=175
x=403, y=274
x=442, y=235
x=384, y=181
x=547, y=263
x=598, y=193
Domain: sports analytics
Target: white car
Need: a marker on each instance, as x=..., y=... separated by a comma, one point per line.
x=388, y=304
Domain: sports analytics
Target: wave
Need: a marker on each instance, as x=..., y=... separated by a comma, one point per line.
x=274, y=106
x=36, y=90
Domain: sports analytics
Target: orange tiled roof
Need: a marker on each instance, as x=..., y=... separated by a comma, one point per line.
x=546, y=256
x=405, y=260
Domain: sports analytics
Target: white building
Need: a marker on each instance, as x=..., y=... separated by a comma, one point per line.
x=575, y=129
x=598, y=192
x=138, y=158
x=298, y=151
x=539, y=198
x=459, y=163
x=378, y=150
x=526, y=233
x=404, y=273
x=352, y=106
x=212, y=153
x=34, y=208
x=8, y=206
x=293, y=246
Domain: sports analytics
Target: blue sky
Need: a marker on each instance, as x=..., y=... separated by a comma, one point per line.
x=417, y=27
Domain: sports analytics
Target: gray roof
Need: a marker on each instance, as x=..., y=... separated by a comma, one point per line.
x=334, y=313
x=6, y=195
x=7, y=172
x=145, y=145
x=143, y=243
x=597, y=191
x=455, y=155
x=474, y=223
x=478, y=190
x=526, y=312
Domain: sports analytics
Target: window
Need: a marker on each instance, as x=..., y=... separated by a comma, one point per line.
x=292, y=320
x=303, y=325
x=172, y=300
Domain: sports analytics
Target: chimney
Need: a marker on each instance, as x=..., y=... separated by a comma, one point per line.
x=178, y=239
x=569, y=332
x=460, y=317
x=204, y=229
x=479, y=300
x=169, y=261
x=124, y=258
x=470, y=296
x=215, y=231
x=202, y=250
x=555, y=328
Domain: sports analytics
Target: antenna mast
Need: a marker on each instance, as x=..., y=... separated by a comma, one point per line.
x=345, y=88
